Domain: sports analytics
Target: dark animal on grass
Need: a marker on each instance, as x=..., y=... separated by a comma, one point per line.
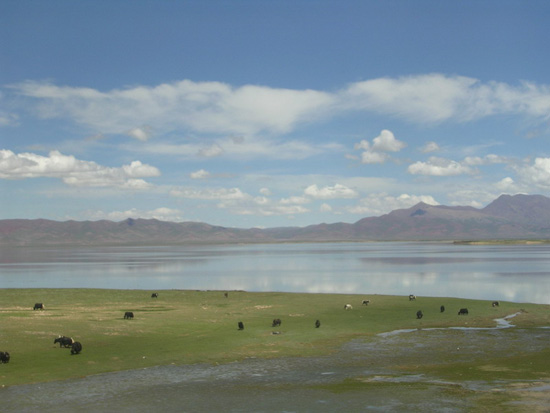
x=241, y=325
x=64, y=341
x=155, y=295
x=412, y=297
x=365, y=302
x=225, y=295
x=317, y=324
x=128, y=315
x=348, y=307
x=77, y=347
x=463, y=311
x=39, y=306
x=276, y=322
x=442, y=308
x=4, y=357
x=495, y=304
x=419, y=314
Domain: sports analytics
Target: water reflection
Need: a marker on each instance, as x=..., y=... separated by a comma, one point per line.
x=495, y=272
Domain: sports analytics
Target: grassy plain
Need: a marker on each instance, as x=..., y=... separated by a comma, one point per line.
x=187, y=327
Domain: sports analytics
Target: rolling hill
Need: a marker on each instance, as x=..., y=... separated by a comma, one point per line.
x=507, y=217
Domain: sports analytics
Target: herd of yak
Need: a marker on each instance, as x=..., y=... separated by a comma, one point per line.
x=76, y=346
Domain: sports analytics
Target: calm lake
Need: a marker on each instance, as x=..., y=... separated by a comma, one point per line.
x=519, y=273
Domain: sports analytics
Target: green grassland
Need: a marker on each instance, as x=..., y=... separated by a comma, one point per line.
x=187, y=327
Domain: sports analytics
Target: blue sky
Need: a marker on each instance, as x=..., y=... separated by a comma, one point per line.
x=269, y=113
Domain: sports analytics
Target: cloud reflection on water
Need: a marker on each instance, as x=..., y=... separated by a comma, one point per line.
x=509, y=273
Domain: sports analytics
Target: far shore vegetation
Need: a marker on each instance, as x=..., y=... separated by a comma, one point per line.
x=189, y=327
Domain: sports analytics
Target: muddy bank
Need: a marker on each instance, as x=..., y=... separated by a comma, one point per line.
x=385, y=373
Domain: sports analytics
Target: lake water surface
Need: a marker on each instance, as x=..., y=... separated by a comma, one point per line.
x=519, y=273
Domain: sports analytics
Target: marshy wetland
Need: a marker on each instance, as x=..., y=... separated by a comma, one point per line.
x=184, y=352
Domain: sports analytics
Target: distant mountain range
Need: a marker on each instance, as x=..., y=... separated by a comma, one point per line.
x=508, y=217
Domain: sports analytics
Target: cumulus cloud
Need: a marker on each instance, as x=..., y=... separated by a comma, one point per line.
x=439, y=167
x=237, y=202
x=73, y=171
x=382, y=203
x=377, y=152
x=330, y=192
x=507, y=185
x=386, y=142
x=537, y=174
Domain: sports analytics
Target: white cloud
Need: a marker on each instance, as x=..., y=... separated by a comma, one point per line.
x=486, y=160
x=386, y=142
x=325, y=208
x=364, y=144
x=439, y=167
x=537, y=174
x=141, y=134
x=209, y=107
x=246, y=149
x=430, y=147
x=376, y=153
x=211, y=151
x=215, y=107
x=265, y=191
x=433, y=98
x=73, y=171
x=475, y=197
x=210, y=193
x=373, y=157
x=382, y=203
x=293, y=200
x=8, y=119
x=200, y=174
x=507, y=185
x=330, y=192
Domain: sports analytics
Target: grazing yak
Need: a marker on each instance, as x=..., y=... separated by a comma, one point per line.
x=412, y=297
x=39, y=306
x=442, y=308
x=317, y=324
x=495, y=304
x=463, y=311
x=240, y=325
x=77, y=347
x=155, y=295
x=348, y=307
x=419, y=314
x=128, y=315
x=276, y=322
x=4, y=357
x=226, y=295
x=64, y=341
x=365, y=302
